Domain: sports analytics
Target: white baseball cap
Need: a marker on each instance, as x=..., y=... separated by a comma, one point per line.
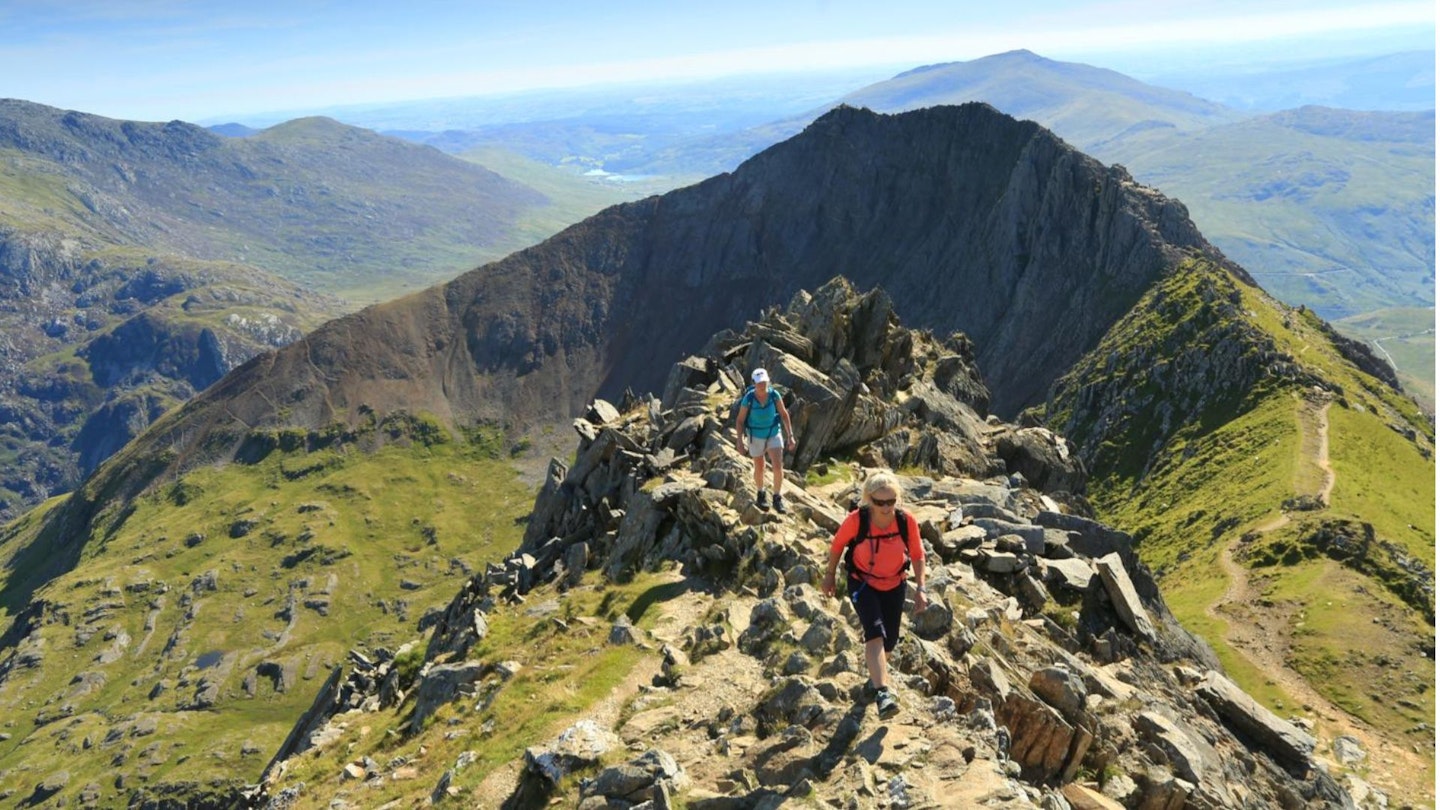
x=759, y=376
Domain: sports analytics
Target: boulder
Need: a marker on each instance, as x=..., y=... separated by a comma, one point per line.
x=1285, y=743
x=1123, y=596
x=580, y=746
x=440, y=684
x=1062, y=689
x=1073, y=574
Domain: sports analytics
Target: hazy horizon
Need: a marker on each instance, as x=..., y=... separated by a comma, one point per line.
x=208, y=61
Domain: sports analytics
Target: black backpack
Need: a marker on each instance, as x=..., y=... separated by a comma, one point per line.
x=902, y=520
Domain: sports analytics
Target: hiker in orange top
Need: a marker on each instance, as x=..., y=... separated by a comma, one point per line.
x=877, y=564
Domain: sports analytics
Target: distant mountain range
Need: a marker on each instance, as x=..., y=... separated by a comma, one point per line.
x=1329, y=208
x=140, y=262
x=1402, y=82
x=339, y=209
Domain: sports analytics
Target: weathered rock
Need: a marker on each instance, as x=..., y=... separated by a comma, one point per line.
x=1287, y=744
x=1085, y=798
x=1123, y=596
x=1062, y=689
x=1192, y=759
x=1073, y=574
x=439, y=684
x=1044, y=745
x=577, y=747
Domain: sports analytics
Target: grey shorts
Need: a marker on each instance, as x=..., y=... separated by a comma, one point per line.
x=758, y=446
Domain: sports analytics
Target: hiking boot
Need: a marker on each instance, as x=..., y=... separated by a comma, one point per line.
x=885, y=704
x=761, y=502
x=779, y=504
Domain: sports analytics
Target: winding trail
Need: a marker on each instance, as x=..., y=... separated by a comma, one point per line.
x=1259, y=632
x=1322, y=455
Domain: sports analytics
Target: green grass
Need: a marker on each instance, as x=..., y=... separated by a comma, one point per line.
x=565, y=672
x=1193, y=587
x=1381, y=477
x=1210, y=480
x=1340, y=225
x=1407, y=338
x=1207, y=485
x=402, y=514
x=1358, y=645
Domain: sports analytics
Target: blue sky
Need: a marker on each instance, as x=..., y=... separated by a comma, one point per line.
x=165, y=59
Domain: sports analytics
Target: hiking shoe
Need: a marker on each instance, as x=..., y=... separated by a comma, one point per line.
x=885, y=704
x=779, y=504
x=760, y=502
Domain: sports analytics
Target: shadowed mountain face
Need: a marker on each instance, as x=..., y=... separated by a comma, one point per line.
x=972, y=221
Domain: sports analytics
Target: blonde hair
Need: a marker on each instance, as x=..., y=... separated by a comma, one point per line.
x=878, y=481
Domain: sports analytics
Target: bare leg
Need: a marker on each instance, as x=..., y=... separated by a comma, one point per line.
x=777, y=461
x=760, y=471
x=875, y=662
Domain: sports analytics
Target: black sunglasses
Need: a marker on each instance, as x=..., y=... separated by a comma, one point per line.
x=883, y=501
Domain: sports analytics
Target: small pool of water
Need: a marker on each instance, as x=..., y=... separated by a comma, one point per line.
x=209, y=659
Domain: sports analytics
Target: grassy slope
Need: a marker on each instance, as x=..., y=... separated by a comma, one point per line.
x=1407, y=337
x=1365, y=208
x=1212, y=485
x=395, y=527
x=566, y=671
x=571, y=196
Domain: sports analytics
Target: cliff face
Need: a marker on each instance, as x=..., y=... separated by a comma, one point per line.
x=972, y=221
x=96, y=342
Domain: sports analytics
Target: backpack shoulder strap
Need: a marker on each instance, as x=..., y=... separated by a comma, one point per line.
x=851, y=569
x=904, y=519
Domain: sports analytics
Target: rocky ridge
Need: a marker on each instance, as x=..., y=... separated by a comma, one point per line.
x=1047, y=671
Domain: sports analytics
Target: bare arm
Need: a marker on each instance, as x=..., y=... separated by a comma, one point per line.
x=785, y=420
x=918, y=563
x=827, y=586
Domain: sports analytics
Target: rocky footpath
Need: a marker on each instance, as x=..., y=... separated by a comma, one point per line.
x=1046, y=672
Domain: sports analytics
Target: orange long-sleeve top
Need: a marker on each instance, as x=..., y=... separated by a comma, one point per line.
x=880, y=558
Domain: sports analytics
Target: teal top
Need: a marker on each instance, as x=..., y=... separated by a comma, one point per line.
x=762, y=421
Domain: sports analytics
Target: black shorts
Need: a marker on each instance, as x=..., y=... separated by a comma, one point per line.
x=879, y=611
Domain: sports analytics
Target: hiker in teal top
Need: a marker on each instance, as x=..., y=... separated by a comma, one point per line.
x=762, y=428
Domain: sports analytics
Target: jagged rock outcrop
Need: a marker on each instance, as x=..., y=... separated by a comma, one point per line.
x=1014, y=681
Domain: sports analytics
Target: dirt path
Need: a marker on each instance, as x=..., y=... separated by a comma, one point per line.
x=1259, y=631
x=1322, y=454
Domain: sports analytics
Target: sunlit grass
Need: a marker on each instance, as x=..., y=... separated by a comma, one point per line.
x=376, y=538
